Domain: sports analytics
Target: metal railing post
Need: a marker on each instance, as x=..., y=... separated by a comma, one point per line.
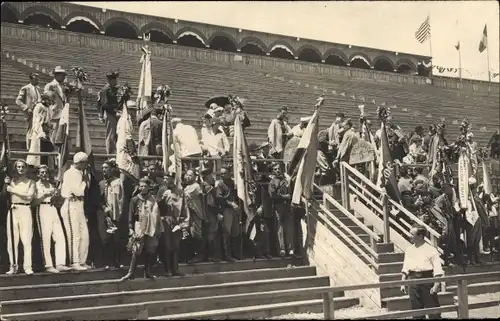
x=328, y=306
x=463, y=299
x=385, y=213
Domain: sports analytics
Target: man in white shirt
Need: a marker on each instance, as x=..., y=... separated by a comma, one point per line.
x=278, y=133
x=49, y=225
x=27, y=99
x=73, y=190
x=298, y=130
x=213, y=138
x=57, y=86
x=19, y=220
x=186, y=138
x=422, y=261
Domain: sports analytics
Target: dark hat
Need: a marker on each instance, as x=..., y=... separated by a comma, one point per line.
x=33, y=75
x=144, y=113
x=112, y=75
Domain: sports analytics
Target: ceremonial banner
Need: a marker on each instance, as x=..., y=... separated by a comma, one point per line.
x=290, y=148
x=463, y=180
x=303, y=164
x=124, y=135
x=63, y=141
x=487, y=187
x=243, y=179
x=146, y=80
x=362, y=152
x=386, y=173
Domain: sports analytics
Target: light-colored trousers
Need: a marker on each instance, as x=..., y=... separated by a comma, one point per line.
x=111, y=136
x=77, y=231
x=23, y=230
x=50, y=228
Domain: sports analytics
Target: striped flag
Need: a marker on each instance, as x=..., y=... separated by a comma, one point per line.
x=62, y=141
x=303, y=164
x=483, y=44
x=424, y=31
x=386, y=171
x=242, y=171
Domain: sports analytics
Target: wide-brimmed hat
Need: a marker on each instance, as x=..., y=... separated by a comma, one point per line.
x=59, y=70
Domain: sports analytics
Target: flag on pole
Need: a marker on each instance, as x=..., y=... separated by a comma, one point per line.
x=303, y=165
x=62, y=141
x=457, y=46
x=125, y=145
x=242, y=171
x=424, y=31
x=83, y=142
x=4, y=150
x=146, y=80
x=386, y=170
x=483, y=44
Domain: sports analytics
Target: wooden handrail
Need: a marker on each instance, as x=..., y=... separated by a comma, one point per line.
x=349, y=214
x=413, y=217
x=346, y=238
x=361, y=177
x=376, y=199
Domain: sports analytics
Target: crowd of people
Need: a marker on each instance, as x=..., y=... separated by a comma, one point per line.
x=157, y=217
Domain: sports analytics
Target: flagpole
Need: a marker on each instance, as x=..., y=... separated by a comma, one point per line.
x=459, y=62
x=430, y=38
x=488, y=58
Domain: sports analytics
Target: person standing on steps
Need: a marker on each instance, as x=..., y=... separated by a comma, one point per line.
x=422, y=261
x=174, y=214
x=278, y=133
x=49, y=224
x=198, y=220
x=28, y=97
x=19, y=220
x=73, y=213
x=60, y=99
x=107, y=105
x=212, y=213
x=145, y=229
x=231, y=215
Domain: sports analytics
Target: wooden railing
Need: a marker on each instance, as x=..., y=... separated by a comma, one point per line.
x=376, y=200
x=324, y=213
x=462, y=308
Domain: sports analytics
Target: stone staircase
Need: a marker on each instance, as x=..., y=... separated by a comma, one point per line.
x=389, y=263
x=227, y=288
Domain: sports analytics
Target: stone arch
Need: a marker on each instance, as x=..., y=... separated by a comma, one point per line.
x=383, y=63
x=336, y=52
x=309, y=53
x=282, y=45
x=405, y=62
x=360, y=60
x=132, y=33
x=223, y=41
x=38, y=9
x=252, y=41
x=189, y=31
x=80, y=15
x=157, y=26
x=9, y=13
x=252, y=49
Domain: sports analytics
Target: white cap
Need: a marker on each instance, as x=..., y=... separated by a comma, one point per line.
x=213, y=106
x=176, y=120
x=305, y=119
x=80, y=157
x=219, y=108
x=59, y=70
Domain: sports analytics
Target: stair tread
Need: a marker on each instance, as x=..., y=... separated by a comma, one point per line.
x=406, y=296
x=473, y=285
x=174, y=289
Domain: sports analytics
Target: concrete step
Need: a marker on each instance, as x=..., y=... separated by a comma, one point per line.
x=114, y=285
x=101, y=274
x=478, y=288
x=402, y=303
x=162, y=294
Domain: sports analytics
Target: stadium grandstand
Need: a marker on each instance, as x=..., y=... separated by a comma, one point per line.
x=353, y=234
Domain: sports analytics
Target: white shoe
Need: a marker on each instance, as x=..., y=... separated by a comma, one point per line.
x=86, y=266
x=28, y=271
x=62, y=268
x=12, y=271
x=78, y=267
x=291, y=253
x=52, y=269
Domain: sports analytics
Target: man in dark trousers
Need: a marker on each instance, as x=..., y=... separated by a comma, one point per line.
x=107, y=104
x=422, y=261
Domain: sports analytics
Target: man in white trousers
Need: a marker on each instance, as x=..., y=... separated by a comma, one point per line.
x=75, y=223
x=49, y=224
x=19, y=221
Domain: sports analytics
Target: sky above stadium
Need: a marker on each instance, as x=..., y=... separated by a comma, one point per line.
x=385, y=25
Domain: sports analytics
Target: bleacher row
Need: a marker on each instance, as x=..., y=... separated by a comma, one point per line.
x=193, y=82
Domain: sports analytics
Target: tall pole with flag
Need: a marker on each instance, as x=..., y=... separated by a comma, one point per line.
x=483, y=45
x=457, y=46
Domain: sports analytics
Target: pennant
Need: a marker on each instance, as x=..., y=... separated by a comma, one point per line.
x=242, y=171
x=125, y=145
x=302, y=167
x=146, y=80
x=483, y=44
x=386, y=170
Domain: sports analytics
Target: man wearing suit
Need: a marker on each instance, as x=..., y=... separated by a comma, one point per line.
x=349, y=139
x=57, y=86
x=107, y=105
x=150, y=134
x=27, y=98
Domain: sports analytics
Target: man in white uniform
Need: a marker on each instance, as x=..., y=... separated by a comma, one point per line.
x=19, y=221
x=57, y=86
x=186, y=138
x=49, y=224
x=72, y=190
